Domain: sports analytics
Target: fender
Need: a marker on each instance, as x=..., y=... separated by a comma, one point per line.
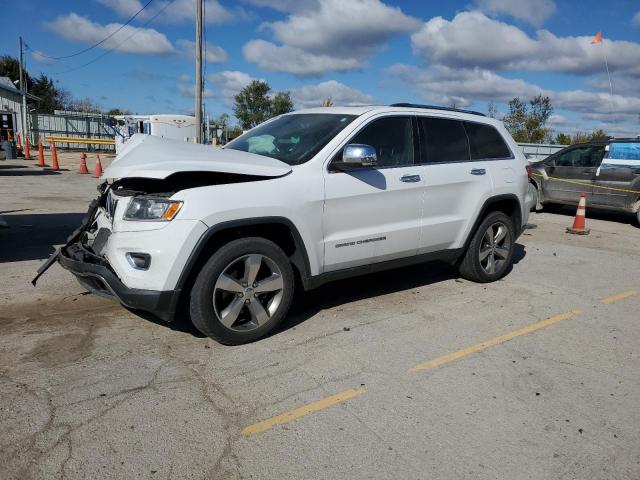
x=300, y=258
x=486, y=207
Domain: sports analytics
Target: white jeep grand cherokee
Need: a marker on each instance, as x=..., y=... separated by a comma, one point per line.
x=302, y=199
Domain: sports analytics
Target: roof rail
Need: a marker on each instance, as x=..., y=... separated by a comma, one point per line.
x=436, y=107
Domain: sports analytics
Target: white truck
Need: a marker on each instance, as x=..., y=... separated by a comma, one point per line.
x=176, y=127
x=301, y=199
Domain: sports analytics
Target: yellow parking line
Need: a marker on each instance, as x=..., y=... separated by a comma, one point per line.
x=457, y=355
x=292, y=415
x=620, y=296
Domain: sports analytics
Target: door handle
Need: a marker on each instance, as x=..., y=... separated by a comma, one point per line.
x=410, y=178
x=478, y=171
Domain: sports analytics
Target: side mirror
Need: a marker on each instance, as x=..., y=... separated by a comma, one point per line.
x=355, y=156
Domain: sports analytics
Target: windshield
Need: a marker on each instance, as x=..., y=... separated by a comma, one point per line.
x=293, y=139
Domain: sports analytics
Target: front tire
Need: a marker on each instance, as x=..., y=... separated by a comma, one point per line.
x=490, y=253
x=243, y=292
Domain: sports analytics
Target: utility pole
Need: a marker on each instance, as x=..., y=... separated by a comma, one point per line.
x=23, y=91
x=199, y=71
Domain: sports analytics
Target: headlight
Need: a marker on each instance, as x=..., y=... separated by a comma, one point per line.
x=157, y=209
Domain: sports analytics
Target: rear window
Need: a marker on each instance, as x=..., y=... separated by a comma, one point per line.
x=624, y=151
x=443, y=140
x=485, y=142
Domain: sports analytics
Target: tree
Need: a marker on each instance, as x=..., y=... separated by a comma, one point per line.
x=527, y=123
x=562, y=139
x=84, y=105
x=254, y=106
x=51, y=97
x=281, y=103
x=492, y=110
x=117, y=111
x=10, y=67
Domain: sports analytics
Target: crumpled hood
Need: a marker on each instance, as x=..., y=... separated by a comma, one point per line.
x=146, y=156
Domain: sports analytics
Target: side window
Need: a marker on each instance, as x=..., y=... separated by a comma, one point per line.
x=443, y=140
x=566, y=159
x=392, y=137
x=486, y=142
x=588, y=156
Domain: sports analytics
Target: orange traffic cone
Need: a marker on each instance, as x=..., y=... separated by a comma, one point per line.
x=18, y=141
x=579, y=222
x=27, y=150
x=40, y=153
x=54, y=157
x=98, y=172
x=83, y=163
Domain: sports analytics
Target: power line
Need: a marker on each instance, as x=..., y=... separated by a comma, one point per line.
x=118, y=44
x=95, y=44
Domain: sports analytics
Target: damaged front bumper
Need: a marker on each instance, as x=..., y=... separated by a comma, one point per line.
x=95, y=275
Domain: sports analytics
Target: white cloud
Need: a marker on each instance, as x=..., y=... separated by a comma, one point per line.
x=128, y=40
x=189, y=90
x=296, y=61
x=447, y=85
x=334, y=36
x=214, y=54
x=40, y=57
x=341, y=95
x=472, y=39
x=532, y=11
x=229, y=83
x=344, y=28
x=179, y=11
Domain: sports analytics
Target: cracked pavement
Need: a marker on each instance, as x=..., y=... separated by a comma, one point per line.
x=92, y=390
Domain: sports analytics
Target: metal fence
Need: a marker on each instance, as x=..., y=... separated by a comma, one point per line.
x=539, y=151
x=70, y=124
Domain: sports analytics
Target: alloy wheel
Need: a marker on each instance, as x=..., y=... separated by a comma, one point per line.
x=494, y=248
x=248, y=292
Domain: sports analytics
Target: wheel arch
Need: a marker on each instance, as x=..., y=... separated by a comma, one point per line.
x=509, y=204
x=279, y=230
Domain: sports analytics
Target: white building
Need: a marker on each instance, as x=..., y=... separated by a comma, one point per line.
x=11, y=108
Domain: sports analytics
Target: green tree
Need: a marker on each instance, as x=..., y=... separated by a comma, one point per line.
x=10, y=67
x=117, y=111
x=281, y=103
x=253, y=105
x=562, y=139
x=51, y=97
x=527, y=123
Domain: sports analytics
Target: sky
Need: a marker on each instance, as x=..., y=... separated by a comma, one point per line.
x=457, y=52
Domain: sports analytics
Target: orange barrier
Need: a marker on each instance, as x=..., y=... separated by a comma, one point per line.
x=83, y=163
x=27, y=150
x=40, y=153
x=98, y=172
x=579, y=222
x=54, y=157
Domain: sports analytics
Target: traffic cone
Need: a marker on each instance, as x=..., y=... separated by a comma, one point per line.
x=18, y=141
x=54, y=157
x=579, y=222
x=40, y=153
x=83, y=163
x=98, y=172
x=27, y=150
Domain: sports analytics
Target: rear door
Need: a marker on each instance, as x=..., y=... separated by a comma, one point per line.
x=618, y=177
x=455, y=186
x=573, y=171
x=374, y=214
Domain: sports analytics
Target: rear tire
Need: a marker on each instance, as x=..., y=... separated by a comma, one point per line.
x=243, y=292
x=490, y=253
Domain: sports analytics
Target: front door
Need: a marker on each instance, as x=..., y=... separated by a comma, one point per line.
x=618, y=177
x=572, y=172
x=374, y=214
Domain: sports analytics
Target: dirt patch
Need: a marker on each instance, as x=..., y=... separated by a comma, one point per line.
x=62, y=349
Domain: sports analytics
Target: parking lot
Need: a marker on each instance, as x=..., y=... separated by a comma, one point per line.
x=411, y=373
